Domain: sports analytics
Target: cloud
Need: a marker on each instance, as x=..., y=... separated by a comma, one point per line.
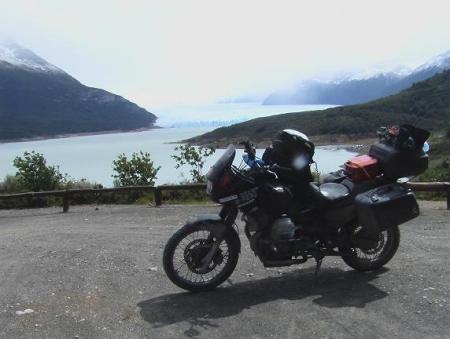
x=153, y=51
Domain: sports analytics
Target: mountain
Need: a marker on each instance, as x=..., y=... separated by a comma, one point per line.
x=359, y=88
x=37, y=99
x=425, y=104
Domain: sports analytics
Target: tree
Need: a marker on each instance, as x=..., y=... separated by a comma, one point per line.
x=138, y=170
x=34, y=173
x=193, y=157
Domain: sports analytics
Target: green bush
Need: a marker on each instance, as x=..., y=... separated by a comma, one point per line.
x=139, y=170
x=35, y=175
x=11, y=184
x=195, y=158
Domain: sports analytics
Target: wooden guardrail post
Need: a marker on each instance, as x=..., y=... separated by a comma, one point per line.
x=66, y=197
x=158, y=196
x=448, y=198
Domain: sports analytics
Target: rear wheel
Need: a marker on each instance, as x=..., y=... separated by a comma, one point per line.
x=372, y=259
x=183, y=254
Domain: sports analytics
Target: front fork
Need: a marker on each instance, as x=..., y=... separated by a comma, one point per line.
x=228, y=213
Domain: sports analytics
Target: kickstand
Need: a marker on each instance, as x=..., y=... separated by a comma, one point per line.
x=316, y=272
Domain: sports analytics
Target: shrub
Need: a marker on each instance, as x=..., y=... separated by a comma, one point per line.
x=193, y=157
x=138, y=170
x=34, y=174
x=11, y=184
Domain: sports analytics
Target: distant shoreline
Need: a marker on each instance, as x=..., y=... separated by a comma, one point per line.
x=358, y=145
x=81, y=134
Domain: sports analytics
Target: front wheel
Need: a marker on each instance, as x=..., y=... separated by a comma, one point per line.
x=374, y=258
x=183, y=254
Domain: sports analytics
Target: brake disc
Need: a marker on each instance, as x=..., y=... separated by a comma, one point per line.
x=195, y=251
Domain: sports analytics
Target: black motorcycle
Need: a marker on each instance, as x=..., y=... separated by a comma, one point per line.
x=357, y=221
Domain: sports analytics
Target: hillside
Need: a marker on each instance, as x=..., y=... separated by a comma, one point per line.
x=359, y=88
x=425, y=104
x=37, y=99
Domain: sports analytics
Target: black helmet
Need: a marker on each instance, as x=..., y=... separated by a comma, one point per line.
x=288, y=143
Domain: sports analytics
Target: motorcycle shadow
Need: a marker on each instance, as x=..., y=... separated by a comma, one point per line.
x=336, y=288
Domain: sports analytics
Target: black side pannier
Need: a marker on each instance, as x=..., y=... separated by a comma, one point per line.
x=386, y=206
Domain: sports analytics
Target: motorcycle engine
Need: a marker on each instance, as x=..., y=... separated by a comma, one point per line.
x=275, y=242
x=255, y=220
x=282, y=229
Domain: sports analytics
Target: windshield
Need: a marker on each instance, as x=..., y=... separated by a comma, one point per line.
x=223, y=163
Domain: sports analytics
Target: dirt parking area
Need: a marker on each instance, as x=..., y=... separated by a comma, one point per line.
x=96, y=272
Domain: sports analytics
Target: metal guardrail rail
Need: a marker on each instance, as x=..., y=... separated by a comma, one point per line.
x=157, y=191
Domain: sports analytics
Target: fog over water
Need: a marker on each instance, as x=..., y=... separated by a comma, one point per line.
x=220, y=114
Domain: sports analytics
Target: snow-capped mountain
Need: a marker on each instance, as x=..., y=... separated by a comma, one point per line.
x=38, y=99
x=359, y=87
x=397, y=72
x=439, y=62
x=19, y=56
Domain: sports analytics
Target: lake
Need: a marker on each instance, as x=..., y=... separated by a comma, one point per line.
x=91, y=157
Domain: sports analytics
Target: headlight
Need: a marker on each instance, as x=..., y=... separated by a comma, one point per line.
x=209, y=187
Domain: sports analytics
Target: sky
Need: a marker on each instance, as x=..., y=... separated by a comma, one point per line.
x=161, y=52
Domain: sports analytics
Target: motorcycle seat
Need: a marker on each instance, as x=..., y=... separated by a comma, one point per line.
x=331, y=193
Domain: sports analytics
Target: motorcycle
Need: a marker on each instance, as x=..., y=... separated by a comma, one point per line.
x=356, y=220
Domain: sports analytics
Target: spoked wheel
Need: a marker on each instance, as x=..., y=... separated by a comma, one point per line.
x=374, y=258
x=185, y=253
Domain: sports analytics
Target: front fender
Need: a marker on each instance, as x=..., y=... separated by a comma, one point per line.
x=216, y=224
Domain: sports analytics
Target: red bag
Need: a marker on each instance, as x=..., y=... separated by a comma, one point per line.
x=363, y=167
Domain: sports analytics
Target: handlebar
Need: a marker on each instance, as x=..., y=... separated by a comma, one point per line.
x=259, y=172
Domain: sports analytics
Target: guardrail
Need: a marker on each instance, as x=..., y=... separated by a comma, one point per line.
x=66, y=195
x=432, y=187
x=157, y=191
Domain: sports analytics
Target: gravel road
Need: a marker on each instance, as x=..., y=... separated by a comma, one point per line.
x=96, y=272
